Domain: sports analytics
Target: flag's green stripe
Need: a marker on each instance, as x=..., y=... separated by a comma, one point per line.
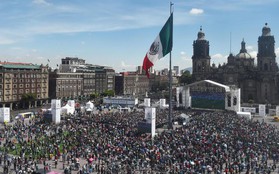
x=166, y=36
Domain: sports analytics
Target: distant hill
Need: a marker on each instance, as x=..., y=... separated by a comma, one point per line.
x=188, y=69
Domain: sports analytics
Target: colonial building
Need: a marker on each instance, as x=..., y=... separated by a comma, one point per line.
x=258, y=83
x=76, y=79
x=136, y=83
x=132, y=84
x=19, y=79
x=65, y=85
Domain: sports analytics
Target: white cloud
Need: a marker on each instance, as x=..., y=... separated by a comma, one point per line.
x=43, y=2
x=219, y=58
x=16, y=48
x=126, y=66
x=71, y=17
x=277, y=51
x=252, y=51
x=253, y=54
x=249, y=47
x=184, y=57
x=4, y=40
x=196, y=11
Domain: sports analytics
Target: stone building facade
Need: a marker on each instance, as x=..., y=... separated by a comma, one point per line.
x=258, y=82
x=76, y=79
x=132, y=83
x=18, y=79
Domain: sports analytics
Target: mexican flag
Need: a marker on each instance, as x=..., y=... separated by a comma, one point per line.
x=161, y=46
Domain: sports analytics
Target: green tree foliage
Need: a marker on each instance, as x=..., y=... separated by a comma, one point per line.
x=108, y=93
x=94, y=96
x=186, y=77
x=28, y=97
x=159, y=86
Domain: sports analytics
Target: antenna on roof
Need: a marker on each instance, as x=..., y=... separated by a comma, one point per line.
x=230, y=42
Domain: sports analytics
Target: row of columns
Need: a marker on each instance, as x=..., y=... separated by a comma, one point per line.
x=11, y=105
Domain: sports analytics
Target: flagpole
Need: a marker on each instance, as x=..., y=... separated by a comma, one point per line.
x=170, y=86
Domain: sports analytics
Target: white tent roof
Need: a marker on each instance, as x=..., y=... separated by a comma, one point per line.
x=89, y=102
x=184, y=115
x=89, y=109
x=227, y=88
x=66, y=106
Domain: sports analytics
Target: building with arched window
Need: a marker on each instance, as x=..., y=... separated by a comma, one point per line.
x=258, y=82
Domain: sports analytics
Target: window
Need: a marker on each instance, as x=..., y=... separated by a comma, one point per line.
x=180, y=98
x=234, y=100
x=265, y=67
x=229, y=100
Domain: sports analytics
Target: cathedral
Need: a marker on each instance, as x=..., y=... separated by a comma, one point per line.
x=259, y=82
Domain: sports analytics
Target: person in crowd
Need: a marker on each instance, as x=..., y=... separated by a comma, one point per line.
x=212, y=142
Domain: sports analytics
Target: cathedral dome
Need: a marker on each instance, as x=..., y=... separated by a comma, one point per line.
x=243, y=52
x=243, y=55
x=266, y=30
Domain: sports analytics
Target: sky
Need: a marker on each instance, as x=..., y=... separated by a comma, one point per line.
x=118, y=33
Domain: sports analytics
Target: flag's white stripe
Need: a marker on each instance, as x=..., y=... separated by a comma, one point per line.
x=153, y=58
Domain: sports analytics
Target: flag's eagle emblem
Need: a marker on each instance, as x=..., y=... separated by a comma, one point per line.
x=154, y=48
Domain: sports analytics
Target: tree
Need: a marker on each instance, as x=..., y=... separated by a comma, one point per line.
x=108, y=93
x=157, y=86
x=94, y=96
x=186, y=77
x=27, y=98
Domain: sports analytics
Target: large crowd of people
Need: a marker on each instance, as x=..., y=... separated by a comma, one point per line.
x=211, y=142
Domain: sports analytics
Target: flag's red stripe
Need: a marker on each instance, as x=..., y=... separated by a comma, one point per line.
x=146, y=65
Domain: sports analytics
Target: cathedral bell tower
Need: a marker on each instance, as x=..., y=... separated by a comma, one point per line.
x=266, y=53
x=201, y=58
x=267, y=89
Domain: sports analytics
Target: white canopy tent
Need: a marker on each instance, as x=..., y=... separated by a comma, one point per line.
x=67, y=109
x=89, y=105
